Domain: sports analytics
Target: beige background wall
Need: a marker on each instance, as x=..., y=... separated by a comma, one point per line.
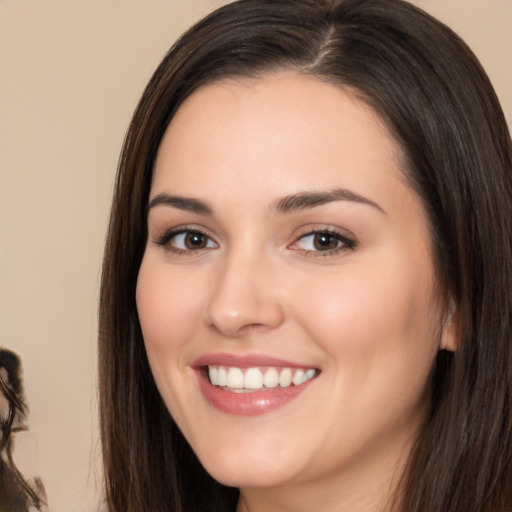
x=70, y=75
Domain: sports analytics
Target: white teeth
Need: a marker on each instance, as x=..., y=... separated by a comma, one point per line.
x=223, y=377
x=213, y=373
x=238, y=379
x=298, y=377
x=235, y=378
x=285, y=379
x=253, y=379
x=271, y=378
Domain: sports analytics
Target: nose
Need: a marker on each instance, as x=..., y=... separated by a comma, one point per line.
x=245, y=296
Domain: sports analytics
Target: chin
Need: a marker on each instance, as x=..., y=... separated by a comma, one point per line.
x=236, y=470
x=250, y=478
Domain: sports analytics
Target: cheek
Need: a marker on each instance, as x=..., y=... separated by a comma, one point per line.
x=379, y=333
x=374, y=318
x=169, y=309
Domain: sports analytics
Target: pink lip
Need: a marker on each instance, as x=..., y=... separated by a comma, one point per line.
x=251, y=403
x=246, y=361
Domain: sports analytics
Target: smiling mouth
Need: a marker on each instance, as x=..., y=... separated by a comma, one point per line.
x=246, y=380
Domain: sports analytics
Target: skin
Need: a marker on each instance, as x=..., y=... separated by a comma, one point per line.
x=368, y=316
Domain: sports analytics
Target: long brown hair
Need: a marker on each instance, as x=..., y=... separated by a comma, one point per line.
x=440, y=106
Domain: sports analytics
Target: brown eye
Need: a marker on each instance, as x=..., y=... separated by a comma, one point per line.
x=186, y=240
x=325, y=241
x=194, y=240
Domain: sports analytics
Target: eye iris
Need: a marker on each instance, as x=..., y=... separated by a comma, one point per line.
x=325, y=242
x=194, y=240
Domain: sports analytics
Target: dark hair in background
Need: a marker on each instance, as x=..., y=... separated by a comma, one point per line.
x=17, y=494
x=439, y=105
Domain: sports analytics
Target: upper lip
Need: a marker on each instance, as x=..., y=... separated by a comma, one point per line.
x=245, y=361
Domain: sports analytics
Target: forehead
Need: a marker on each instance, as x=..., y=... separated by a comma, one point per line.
x=276, y=127
x=279, y=98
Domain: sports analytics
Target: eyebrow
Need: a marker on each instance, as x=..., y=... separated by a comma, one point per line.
x=307, y=200
x=289, y=204
x=188, y=204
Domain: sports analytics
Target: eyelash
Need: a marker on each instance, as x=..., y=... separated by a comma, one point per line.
x=165, y=240
x=343, y=243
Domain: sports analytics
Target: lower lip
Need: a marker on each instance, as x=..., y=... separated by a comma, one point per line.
x=248, y=404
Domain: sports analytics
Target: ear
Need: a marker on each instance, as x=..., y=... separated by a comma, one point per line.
x=449, y=334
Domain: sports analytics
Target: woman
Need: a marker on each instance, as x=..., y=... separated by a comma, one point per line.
x=306, y=295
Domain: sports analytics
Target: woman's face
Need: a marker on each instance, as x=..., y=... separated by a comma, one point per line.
x=285, y=245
